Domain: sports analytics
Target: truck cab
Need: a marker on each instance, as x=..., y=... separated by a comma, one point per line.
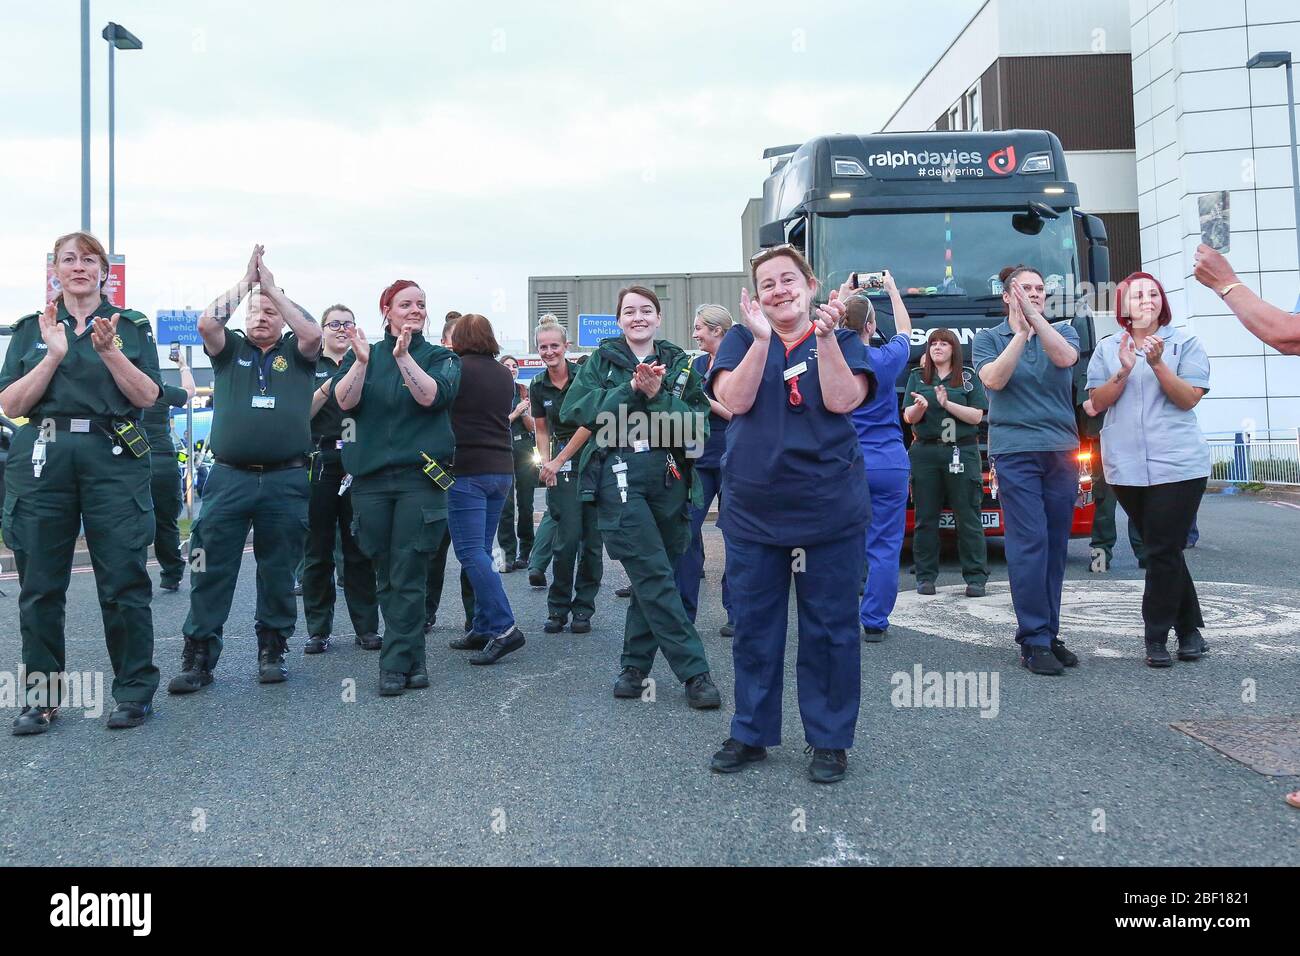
x=944, y=212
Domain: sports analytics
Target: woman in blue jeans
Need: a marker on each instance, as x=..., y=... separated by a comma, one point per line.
x=711, y=324
x=1025, y=364
x=484, y=469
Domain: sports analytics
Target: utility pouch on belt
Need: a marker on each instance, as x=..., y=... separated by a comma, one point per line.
x=131, y=438
x=437, y=474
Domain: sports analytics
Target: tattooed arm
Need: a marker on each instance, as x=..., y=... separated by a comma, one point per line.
x=212, y=323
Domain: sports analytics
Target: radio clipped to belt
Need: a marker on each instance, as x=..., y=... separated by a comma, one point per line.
x=129, y=436
x=439, y=475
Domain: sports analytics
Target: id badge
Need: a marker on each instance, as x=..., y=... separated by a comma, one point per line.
x=795, y=370
x=567, y=466
x=264, y=401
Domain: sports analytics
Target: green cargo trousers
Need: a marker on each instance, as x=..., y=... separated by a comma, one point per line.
x=515, y=534
x=648, y=534
x=82, y=483
x=399, y=517
x=579, y=564
x=933, y=484
x=165, y=485
x=274, y=505
x=329, y=521
x=539, y=559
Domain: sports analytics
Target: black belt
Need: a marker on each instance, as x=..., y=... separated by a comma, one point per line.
x=65, y=424
x=298, y=462
x=968, y=440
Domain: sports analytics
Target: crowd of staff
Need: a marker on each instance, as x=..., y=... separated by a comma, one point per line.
x=383, y=455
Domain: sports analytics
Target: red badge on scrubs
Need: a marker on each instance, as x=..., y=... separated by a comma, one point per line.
x=792, y=380
x=795, y=398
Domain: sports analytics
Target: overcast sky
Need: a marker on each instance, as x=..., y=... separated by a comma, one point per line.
x=466, y=146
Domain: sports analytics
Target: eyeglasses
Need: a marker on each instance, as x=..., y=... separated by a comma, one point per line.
x=336, y=325
x=774, y=250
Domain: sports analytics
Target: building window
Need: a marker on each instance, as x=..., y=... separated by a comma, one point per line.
x=954, y=117
x=661, y=292
x=973, y=119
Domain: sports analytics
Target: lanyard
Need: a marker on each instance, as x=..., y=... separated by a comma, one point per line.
x=263, y=367
x=796, y=399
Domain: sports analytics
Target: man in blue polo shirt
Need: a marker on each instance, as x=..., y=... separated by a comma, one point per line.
x=1025, y=364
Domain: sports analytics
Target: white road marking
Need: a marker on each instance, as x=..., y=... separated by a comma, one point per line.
x=1104, y=618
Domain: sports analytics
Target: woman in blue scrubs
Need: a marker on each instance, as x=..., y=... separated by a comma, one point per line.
x=797, y=506
x=711, y=323
x=881, y=438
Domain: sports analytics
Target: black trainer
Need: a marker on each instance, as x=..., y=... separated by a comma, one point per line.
x=623, y=592
x=1191, y=646
x=270, y=659
x=873, y=635
x=727, y=630
x=554, y=624
x=469, y=642
x=195, y=673
x=702, y=693
x=735, y=756
x=975, y=590
x=170, y=585
x=369, y=642
x=129, y=714
x=537, y=579
x=925, y=587
x=1158, y=654
x=317, y=644
x=1040, y=660
x=628, y=685
x=391, y=683
x=34, y=720
x=499, y=647
x=580, y=625
x=1063, y=653
x=827, y=766
x=418, y=677
x=428, y=626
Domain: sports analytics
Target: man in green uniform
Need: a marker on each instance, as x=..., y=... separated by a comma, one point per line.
x=577, y=544
x=329, y=512
x=81, y=372
x=945, y=459
x=261, y=436
x=637, y=471
x=166, y=482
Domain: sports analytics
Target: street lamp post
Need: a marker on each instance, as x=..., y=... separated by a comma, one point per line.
x=85, y=115
x=1267, y=61
x=119, y=38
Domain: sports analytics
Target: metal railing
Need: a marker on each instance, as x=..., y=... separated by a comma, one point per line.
x=1243, y=460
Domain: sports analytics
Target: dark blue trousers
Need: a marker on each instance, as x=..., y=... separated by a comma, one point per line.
x=884, y=544
x=1037, y=491
x=690, y=566
x=829, y=660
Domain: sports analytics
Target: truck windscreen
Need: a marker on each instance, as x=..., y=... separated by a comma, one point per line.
x=917, y=248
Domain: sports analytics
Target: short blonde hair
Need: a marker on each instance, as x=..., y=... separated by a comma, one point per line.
x=715, y=317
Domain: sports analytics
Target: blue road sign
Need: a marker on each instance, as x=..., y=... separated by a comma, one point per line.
x=179, y=326
x=593, y=328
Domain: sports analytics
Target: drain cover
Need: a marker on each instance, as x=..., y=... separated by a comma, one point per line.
x=1267, y=745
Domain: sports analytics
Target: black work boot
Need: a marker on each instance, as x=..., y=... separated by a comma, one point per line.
x=417, y=678
x=628, y=684
x=196, y=671
x=702, y=693
x=34, y=720
x=1191, y=646
x=270, y=658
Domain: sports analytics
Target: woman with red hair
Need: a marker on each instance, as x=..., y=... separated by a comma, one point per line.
x=1148, y=380
x=398, y=394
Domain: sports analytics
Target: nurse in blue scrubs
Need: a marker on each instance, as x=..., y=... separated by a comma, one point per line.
x=712, y=323
x=888, y=467
x=796, y=507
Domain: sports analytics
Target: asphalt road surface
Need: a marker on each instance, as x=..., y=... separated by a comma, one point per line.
x=534, y=762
